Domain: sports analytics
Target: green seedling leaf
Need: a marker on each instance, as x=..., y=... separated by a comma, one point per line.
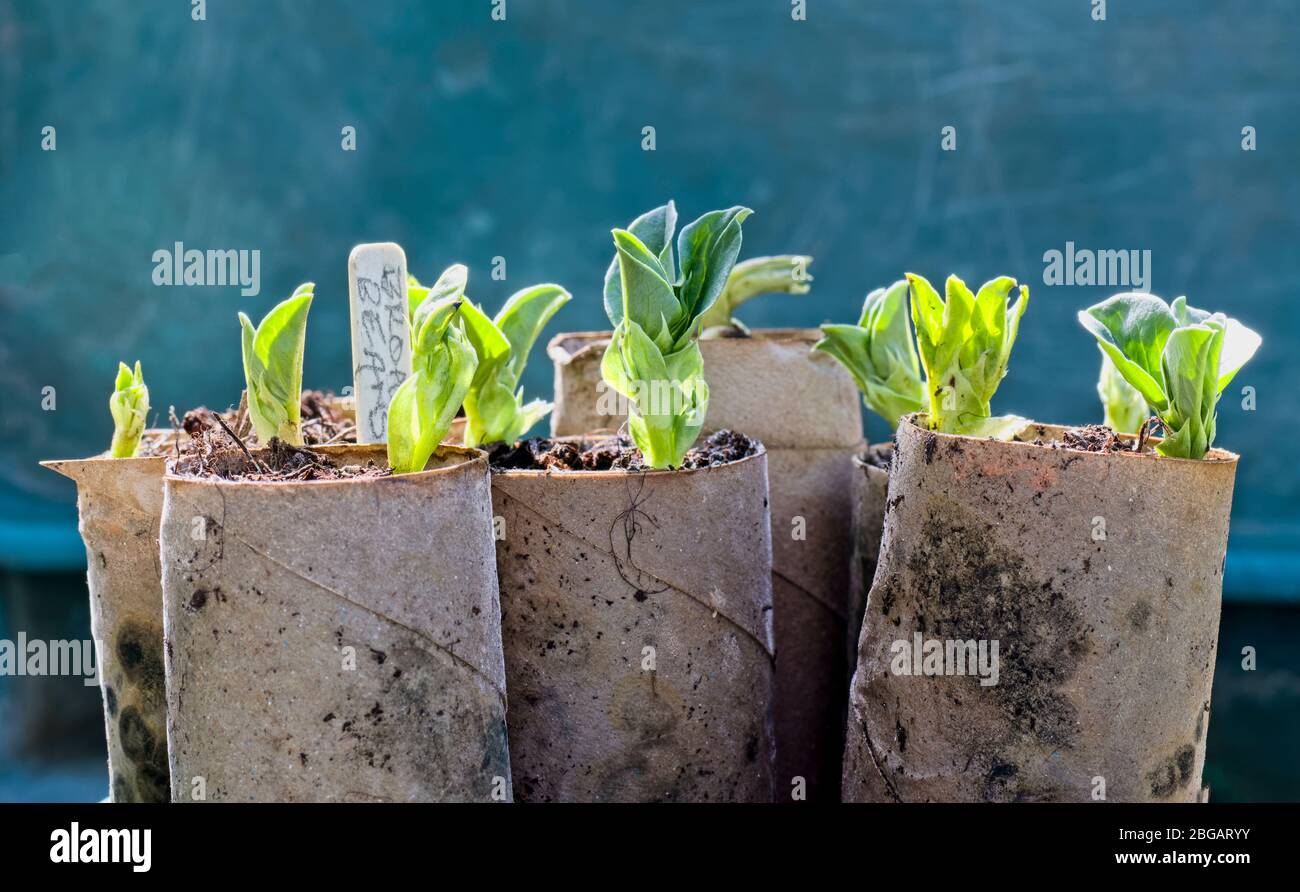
x=1239, y=342
x=1191, y=391
x=495, y=409
x=648, y=295
x=1177, y=357
x=451, y=284
x=490, y=345
x=273, y=367
x=653, y=359
x=655, y=230
x=708, y=249
x=129, y=406
x=784, y=274
x=880, y=355
x=415, y=295
x=494, y=406
x=669, y=394
x=965, y=342
x=443, y=366
x=524, y=316
x=1132, y=329
x=1125, y=409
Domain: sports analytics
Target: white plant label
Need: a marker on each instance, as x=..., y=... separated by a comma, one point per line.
x=381, y=338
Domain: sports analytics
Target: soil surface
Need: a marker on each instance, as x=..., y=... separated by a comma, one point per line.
x=1093, y=438
x=154, y=444
x=322, y=424
x=611, y=454
x=216, y=453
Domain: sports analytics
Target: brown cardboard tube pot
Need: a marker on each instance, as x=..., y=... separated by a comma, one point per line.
x=870, y=488
x=119, y=502
x=456, y=433
x=1098, y=574
x=805, y=409
x=636, y=617
x=119, y=505
x=336, y=639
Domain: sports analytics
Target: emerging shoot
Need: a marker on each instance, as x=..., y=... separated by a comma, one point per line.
x=129, y=406
x=965, y=343
x=1177, y=357
x=442, y=363
x=786, y=274
x=656, y=308
x=880, y=355
x=273, y=367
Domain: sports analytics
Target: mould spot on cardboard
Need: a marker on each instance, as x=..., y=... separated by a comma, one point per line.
x=139, y=649
x=134, y=736
x=1139, y=616
x=122, y=790
x=966, y=587
x=154, y=779
x=1173, y=773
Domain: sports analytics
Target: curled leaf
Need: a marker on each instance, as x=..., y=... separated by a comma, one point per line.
x=879, y=354
x=272, y=354
x=785, y=274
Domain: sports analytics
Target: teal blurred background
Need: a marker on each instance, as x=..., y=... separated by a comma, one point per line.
x=522, y=139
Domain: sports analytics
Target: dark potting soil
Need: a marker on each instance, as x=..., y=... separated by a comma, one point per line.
x=611, y=454
x=322, y=423
x=216, y=453
x=1094, y=438
x=153, y=444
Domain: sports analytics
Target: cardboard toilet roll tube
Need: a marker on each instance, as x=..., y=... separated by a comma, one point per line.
x=870, y=487
x=335, y=640
x=637, y=622
x=119, y=502
x=1098, y=575
x=456, y=433
x=806, y=411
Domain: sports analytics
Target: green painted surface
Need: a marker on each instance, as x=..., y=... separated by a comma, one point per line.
x=522, y=139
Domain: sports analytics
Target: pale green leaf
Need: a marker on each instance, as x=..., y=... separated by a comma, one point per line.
x=1132, y=329
x=648, y=297
x=522, y=319
x=655, y=230
x=1190, y=364
x=490, y=345
x=785, y=274
x=273, y=355
x=707, y=250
